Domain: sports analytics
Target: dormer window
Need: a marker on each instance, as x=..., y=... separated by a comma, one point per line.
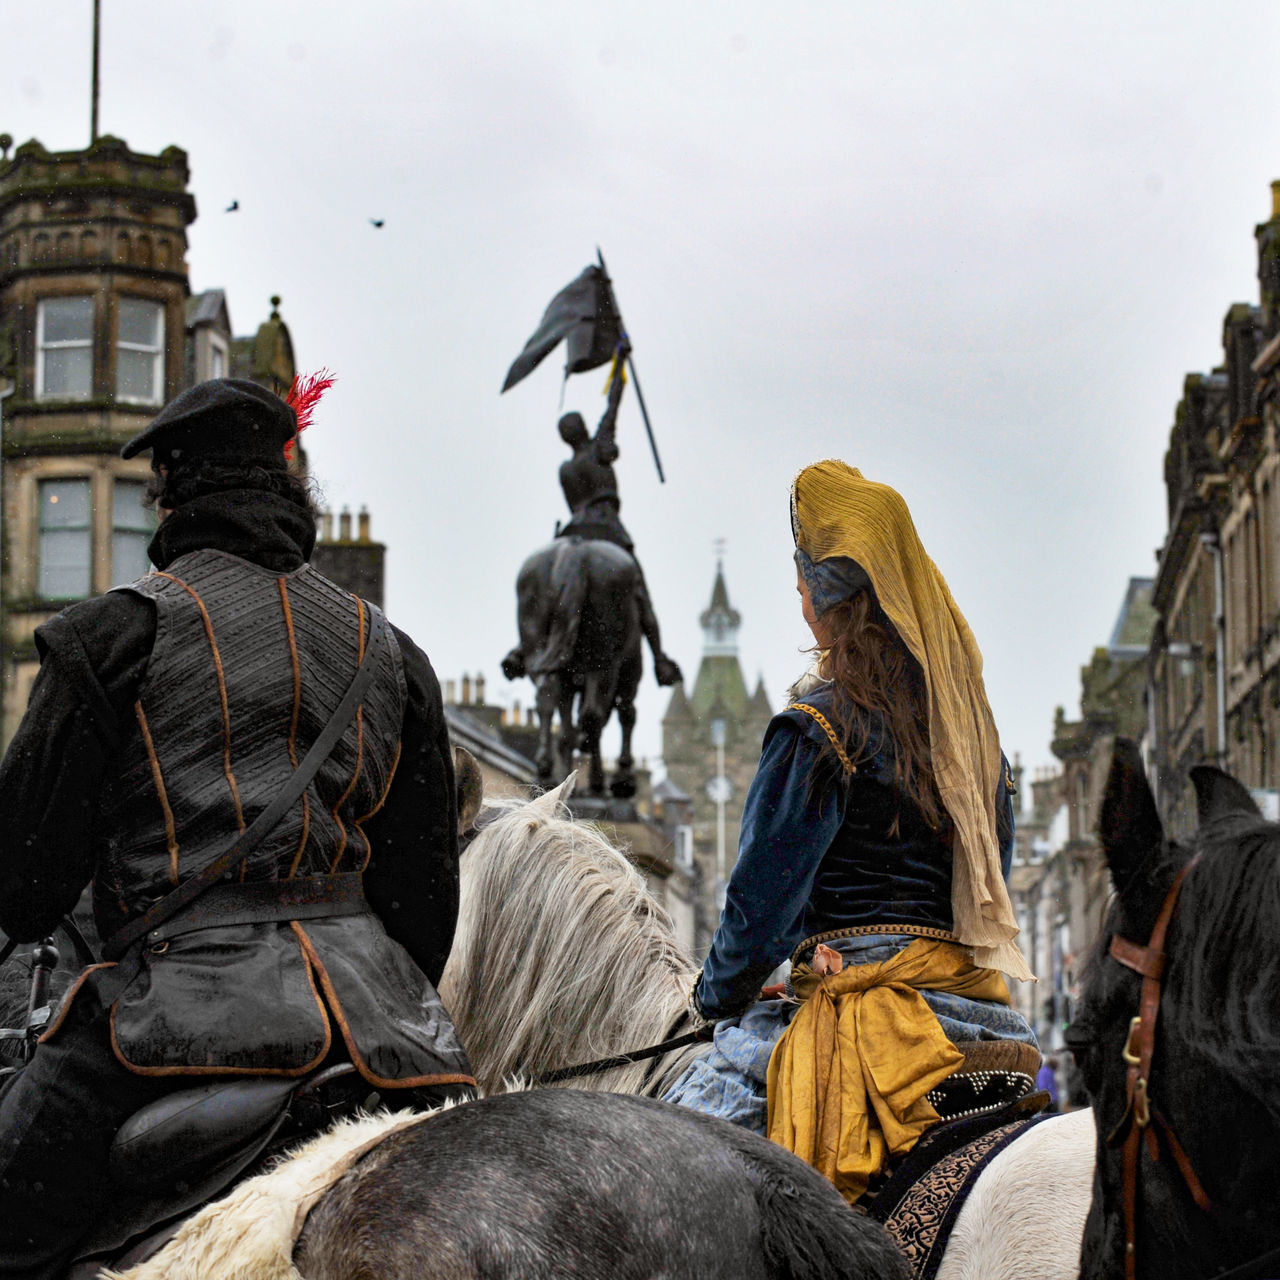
x=64, y=348
x=140, y=352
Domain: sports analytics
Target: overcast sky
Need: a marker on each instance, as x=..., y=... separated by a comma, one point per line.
x=972, y=249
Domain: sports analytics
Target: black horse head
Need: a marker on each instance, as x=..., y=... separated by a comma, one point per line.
x=1215, y=1076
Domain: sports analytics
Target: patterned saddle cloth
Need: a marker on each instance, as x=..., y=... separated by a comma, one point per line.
x=921, y=1198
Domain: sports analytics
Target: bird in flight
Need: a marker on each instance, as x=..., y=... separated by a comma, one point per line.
x=232, y=207
x=377, y=222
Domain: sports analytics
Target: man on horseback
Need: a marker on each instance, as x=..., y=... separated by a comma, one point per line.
x=169, y=722
x=591, y=491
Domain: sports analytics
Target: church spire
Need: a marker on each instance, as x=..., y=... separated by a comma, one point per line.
x=720, y=620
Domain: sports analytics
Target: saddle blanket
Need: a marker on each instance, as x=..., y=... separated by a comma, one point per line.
x=922, y=1199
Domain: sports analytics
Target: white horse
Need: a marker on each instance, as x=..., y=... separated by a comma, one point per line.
x=563, y=956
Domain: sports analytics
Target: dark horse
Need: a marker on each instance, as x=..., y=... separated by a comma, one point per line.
x=579, y=619
x=1196, y=1075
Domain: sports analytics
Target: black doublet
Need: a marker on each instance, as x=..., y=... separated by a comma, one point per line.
x=80, y=764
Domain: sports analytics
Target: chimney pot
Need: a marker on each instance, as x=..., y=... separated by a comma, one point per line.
x=466, y=691
x=480, y=690
x=1275, y=198
x=364, y=525
x=344, y=525
x=326, y=526
x=449, y=691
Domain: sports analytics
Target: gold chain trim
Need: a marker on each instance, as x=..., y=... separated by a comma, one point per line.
x=869, y=930
x=825, y=724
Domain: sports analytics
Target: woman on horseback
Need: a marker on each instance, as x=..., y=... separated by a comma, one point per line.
x=875, y=840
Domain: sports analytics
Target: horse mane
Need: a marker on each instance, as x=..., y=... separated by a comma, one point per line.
x=562, y=955
x=1225, y=966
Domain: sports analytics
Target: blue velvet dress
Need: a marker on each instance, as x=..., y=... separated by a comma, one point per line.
x=833, y=857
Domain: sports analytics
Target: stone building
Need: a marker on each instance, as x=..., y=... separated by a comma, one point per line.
x=352, y=558
x=711, y=747
x=1215, y=654
x=1059, y=883
x=98, y=330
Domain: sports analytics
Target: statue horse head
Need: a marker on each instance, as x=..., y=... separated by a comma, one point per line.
x=1178, y=1036
x=579, y=622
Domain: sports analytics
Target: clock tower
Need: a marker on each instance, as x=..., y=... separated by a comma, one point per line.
x=711, y=747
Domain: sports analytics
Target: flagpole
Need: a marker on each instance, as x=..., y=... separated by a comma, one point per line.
x=644, y=413
x=97, y=29
x=631, y=364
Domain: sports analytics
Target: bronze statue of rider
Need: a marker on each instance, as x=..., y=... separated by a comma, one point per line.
x=591, y=490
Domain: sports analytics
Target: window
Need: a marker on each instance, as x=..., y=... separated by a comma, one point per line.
x=217, y=360
x=140, y=352
x=132, y=525
x=66, y=542
x=64, y=349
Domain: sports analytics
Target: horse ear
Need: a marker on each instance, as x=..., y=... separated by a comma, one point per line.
x=469, y=784
x=1129, y=825
x=1218, y=795
x=548, y=802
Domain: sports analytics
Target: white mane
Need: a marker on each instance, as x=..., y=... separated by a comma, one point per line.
x=562, y=955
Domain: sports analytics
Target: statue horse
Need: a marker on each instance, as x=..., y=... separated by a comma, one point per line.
x=1178, y=1038
x=579, y=620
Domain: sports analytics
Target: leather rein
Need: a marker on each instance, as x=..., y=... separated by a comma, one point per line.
x=654, y=1051
x=1141, y=1119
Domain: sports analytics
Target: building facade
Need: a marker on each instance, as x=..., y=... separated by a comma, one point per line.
x=1060, y=884
x=711, y=748
x=1215, y=653
x=98, y=330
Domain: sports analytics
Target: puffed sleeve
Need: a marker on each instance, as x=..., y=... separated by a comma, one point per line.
x=93, y=657
x=412, y=877
x=792, y=813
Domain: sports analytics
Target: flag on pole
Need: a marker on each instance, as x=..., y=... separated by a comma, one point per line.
x=585, y=315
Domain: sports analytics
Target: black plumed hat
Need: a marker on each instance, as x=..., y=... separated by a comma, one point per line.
x=226, y=419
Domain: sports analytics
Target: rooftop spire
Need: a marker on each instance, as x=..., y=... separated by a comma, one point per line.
x=720, y=620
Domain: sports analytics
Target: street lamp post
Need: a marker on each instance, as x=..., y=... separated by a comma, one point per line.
x=721, y=795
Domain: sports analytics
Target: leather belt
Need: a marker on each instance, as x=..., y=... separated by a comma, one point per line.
x=265, y=902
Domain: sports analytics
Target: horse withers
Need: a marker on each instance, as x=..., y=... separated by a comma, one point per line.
x=579, y=617
x=1184, y=1054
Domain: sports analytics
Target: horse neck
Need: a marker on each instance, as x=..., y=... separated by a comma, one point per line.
x=553, y=966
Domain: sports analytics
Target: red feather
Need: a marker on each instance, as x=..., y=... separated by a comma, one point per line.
x=303, y=397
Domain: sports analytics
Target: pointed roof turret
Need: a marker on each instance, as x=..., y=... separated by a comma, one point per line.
x=720, y=621
x=678, y=706
x=760, y=700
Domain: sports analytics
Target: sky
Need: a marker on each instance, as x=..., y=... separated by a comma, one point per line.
x=972, y=249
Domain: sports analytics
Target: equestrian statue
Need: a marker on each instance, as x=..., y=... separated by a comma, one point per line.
x=582, y=602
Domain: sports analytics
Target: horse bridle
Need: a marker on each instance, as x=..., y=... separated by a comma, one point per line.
x=1141, y=1119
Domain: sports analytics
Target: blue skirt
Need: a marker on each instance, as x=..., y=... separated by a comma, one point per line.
x=729, y=1080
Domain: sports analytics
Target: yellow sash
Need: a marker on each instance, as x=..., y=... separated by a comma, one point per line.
x=848, y=1079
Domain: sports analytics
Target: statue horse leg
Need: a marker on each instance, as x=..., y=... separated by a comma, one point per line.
x=549, y=689
x=624, y=701
x=570, y=734
x=593, y=714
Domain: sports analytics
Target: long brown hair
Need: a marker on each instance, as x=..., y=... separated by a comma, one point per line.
x=875, y=675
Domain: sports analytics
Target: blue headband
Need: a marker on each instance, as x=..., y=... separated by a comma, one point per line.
x=832, y=581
